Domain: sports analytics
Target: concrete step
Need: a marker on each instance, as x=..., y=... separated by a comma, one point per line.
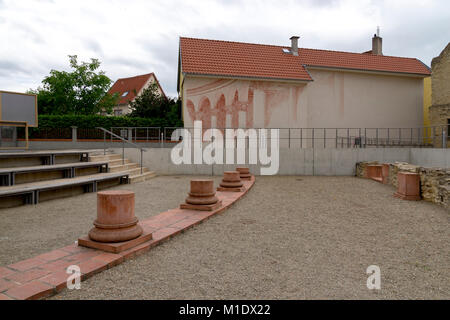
x=34, y=192
x=135, y=171
x=123, y=167
x=142, y=177
x=132, y=169
x=118, y=162
x=106, y=157
x=100, y=152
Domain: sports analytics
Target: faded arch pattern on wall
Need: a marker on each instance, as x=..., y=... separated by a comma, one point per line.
x=220, y=98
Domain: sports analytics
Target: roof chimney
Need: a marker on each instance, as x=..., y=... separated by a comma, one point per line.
x=377, y=43
x=294, y=45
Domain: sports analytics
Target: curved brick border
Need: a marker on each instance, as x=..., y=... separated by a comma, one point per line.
x=45, y=275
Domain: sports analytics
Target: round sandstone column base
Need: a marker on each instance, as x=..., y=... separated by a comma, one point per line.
x=231, y=179
x=115, y=235
x=244, y=172
x=201, y=200
x=227, y=184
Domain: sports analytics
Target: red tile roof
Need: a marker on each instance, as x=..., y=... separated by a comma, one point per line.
x=237, y=59
x=131, y=85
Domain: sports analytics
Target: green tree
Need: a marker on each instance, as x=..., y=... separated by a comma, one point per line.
x=151, y=104
x=83, y=90
x=148, y=104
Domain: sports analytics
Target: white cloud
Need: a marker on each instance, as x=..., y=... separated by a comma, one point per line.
x=136, y=37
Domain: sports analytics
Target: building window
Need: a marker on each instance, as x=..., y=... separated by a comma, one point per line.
x=118, y=112
x=448, y=128
x=124, y=94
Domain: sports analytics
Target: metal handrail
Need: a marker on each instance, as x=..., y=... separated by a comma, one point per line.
x=135, y=129
x=105, y=131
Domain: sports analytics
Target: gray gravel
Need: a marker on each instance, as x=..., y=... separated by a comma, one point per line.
x=28, y=231
x=289, y=238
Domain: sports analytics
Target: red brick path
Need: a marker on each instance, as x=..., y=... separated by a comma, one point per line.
x=45, y=275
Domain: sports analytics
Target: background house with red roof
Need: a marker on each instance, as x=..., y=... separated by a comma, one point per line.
x=130, y=88
x=231, y=84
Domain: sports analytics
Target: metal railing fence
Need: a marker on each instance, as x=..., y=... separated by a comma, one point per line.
x=136, y=134
x=422, y=137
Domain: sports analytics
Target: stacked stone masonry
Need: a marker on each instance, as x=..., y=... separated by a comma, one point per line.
x=440, y=78
x=440, y=83
x=439, y=115
x=434, y=182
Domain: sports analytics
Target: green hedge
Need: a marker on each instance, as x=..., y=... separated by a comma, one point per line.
x=80, y=121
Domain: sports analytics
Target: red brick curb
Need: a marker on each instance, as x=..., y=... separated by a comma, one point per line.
x=45, y=275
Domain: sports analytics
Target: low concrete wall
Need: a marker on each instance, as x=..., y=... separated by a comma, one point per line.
x=327, y=162
x=430, y=157
x=292, y=161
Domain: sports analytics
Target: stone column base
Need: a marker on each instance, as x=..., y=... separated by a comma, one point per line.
x=115, y=247
x=240, y=189
x=202, y=207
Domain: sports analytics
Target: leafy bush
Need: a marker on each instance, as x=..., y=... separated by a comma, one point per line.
x=92, y=121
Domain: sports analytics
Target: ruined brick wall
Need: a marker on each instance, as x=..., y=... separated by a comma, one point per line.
x=439, y=112
x=434, y=182
x=439, y=115
x=431, y=181
x=444, y=194
x=440, y=78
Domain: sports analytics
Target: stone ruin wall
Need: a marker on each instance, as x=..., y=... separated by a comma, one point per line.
x=434, y=182
x=439, y=112
x=440, y=78
x=439, y=115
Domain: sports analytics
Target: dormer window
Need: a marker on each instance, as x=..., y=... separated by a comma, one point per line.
x=124, y=94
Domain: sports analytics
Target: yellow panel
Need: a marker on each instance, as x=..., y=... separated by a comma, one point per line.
x=426, y=104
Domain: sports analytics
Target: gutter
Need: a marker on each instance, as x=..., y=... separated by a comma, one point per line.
x=247, y=77
x=393, y=73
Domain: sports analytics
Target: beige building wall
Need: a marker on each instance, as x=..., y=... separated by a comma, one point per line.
x=333, y=100
x=361, y=100
x=121, y=110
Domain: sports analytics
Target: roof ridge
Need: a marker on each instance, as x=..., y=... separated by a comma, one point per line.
x=300, y=48
x=142, y=75
x=241, y=42
x=358, y=53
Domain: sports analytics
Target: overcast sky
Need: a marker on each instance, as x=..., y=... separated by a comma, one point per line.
x=136, y=37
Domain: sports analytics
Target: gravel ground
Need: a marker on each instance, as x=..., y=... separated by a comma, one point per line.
x=28, y=231
x=289, y=238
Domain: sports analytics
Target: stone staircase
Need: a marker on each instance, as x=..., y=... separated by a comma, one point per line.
x=30, y=177
x=117, y=164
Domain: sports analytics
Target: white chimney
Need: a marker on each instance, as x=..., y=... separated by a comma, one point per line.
x=294, y=45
